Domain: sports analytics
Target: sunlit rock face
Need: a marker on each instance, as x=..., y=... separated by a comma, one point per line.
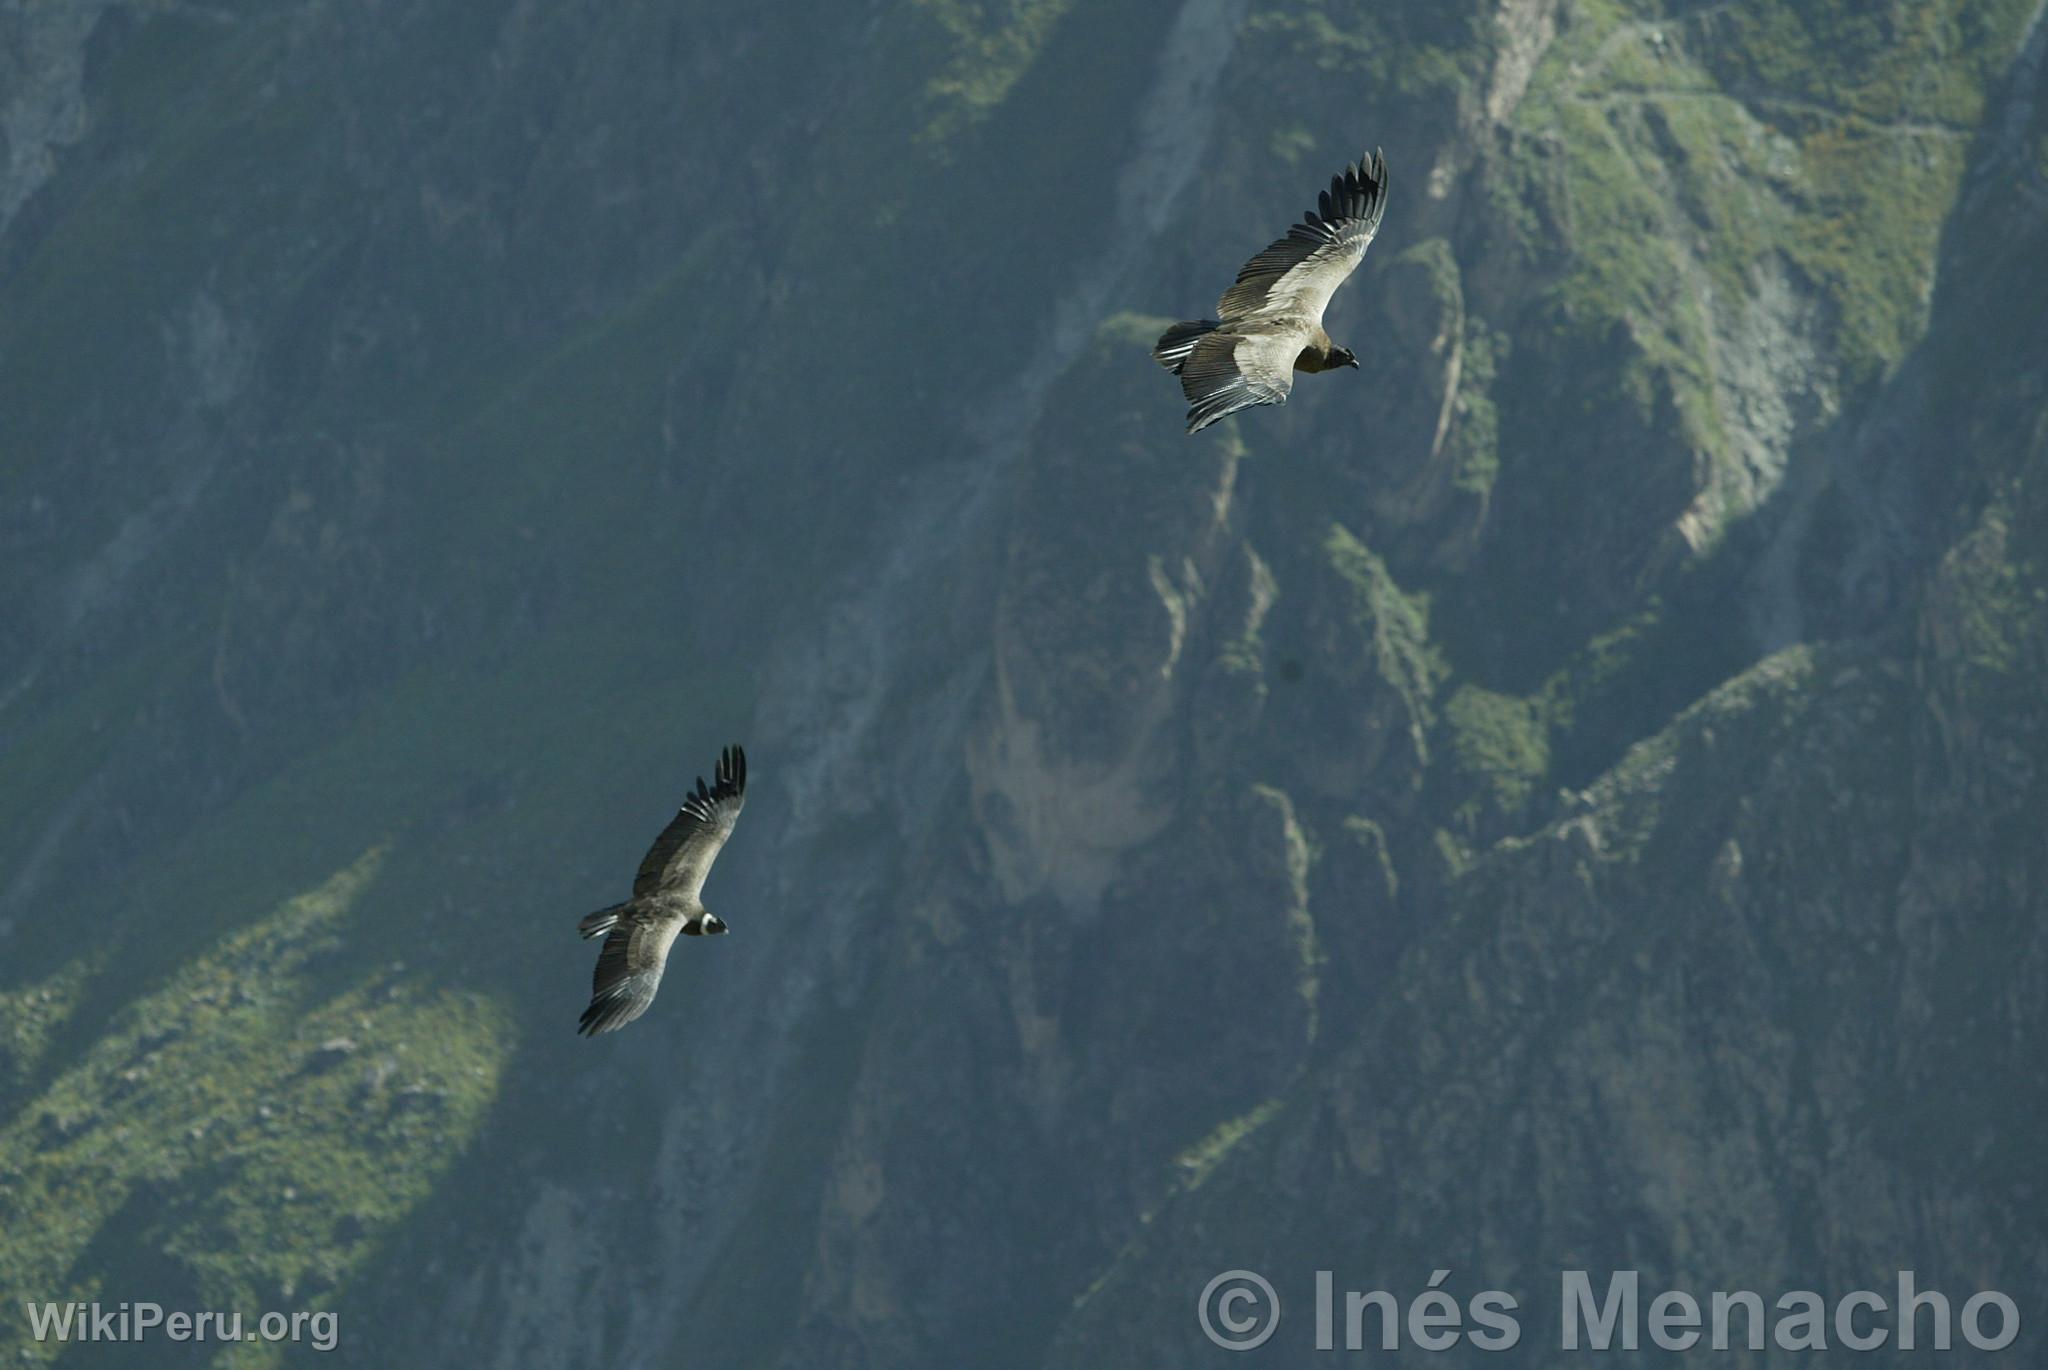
x=1563, y=794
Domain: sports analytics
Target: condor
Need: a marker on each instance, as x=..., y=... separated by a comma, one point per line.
x=667, y=900
x=1272, y=324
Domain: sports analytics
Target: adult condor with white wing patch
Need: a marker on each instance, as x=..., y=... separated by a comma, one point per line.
x=666, y=900
x=1272, y=324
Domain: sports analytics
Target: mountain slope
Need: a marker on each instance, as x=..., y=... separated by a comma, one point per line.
x=1560, y=794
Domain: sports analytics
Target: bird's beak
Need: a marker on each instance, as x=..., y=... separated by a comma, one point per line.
x=1352, y=362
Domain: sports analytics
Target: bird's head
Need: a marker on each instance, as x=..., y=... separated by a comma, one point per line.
x=1343, y=356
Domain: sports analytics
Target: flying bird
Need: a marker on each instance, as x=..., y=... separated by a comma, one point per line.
x=1272, y=324
x=666, y=900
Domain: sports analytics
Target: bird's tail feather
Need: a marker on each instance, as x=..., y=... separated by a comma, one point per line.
x=599, y=923
x=1174, y=345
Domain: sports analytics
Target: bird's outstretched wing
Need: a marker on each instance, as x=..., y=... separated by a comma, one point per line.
x=681, y=857
x=1296, y=275
x=1228, y=372
x=629, y=968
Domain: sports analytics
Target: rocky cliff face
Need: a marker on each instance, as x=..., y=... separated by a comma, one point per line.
x=1565, y=795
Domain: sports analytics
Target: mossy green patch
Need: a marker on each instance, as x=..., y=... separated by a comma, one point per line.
x=1474, y=438
x=1499, y=742
x=1394, y=621
x=1301, y=924
x=1626, y=263
x=1882, y=63
x=1990, y=620
x=1998, y=606
x=1868, y=235
x=991, y=44
x=1597, y=666
x=27, y=1016
x=1440, y=264
x=1198, y=1162
x=253, y=1133
x=1408, y=50
x=1832, y=133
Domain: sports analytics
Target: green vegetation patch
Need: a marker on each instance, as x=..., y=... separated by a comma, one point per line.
x=1990, y=617
x=1301, y=924
x=1695, y=144
x=1474, y=439
x=248, y=1134
x=1880, y=62
x=1499, y=741
x=1199, y=1161
x=1998, y=601
x=991, y=44
x=1406, y=49
x=28, y=1019
x=1394, y=622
